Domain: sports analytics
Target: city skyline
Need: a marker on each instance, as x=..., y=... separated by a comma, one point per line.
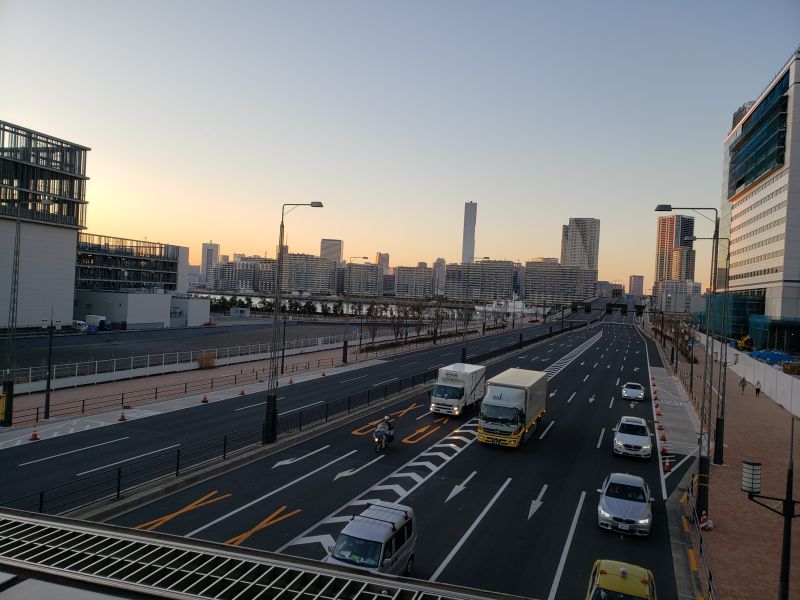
x=502, y=144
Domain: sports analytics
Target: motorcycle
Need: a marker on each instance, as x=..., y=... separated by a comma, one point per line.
x=381, y=439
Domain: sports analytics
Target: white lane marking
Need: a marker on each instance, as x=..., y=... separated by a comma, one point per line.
x=541, y=437
x=523, y=356
x=290, y=461
x=600, y=439
x=353, y=379
x=617, y=380
x=445, y=354
x=30, y=462
x=267, y=495
x=612, y=402
x=423, y=415
x=413, y=362
x=571, y=397
x=119, y=462
x=595, y=366
x=653, y=408
x=249, y=406
x=565, y=552
x=472, y=527
x=536, y=504
x=680, y=462
x=350, y=472
x=460, y=487
x=534, y=359
x=383, y=382
x=585, y=378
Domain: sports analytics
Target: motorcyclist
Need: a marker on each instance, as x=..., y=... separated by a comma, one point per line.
x=386, y=427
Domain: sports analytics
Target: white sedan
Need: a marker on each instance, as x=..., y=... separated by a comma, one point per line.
x=632, y=391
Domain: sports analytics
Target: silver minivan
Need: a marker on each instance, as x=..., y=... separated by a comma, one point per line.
x=381, y=539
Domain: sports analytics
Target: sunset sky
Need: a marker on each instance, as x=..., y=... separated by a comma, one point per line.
x=204, y=117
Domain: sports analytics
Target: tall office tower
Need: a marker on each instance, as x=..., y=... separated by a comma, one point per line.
x=468, y=245
x=382, y=259
x=761, y=206
x=636, y=285
x=331, y=250
x=208, y=260
x=674, y=253
x=580, y=243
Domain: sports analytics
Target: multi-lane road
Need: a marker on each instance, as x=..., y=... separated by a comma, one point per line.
x=521, y=521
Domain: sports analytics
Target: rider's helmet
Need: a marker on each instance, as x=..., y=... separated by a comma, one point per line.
x=386, y=418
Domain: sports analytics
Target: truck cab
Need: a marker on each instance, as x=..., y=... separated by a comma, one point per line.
x=457, y=388
x=512, y=408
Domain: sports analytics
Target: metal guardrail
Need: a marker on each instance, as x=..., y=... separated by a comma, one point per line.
x=111, y=484
x=707, y=582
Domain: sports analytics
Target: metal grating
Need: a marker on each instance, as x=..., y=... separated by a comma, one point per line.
x=167, y=567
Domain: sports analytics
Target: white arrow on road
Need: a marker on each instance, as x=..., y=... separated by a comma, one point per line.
x=460, y=487
x=591, y=399
x=583, y=361
x=350, y=472
x=633, y=404
x=608, y=367
x=553, y=393
x=537, y=503
x=635, y=369
x=289, y=461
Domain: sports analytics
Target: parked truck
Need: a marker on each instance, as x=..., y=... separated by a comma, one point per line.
x=458, y=387
x=514, y=405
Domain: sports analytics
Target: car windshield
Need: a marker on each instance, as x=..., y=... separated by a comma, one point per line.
x=498, y=414
x=632, y=429
x=633, y=386
x=448, y=392
x=623, y=491
x=601, y=594
x=357, y=551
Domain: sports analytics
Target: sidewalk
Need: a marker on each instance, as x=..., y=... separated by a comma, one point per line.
x=745, y=544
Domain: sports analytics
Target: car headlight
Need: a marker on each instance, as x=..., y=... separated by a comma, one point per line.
x=603, y=513
x=455, y=410
x=644, y=521
x=647, y=446
x=433, y=406
x=618, y=443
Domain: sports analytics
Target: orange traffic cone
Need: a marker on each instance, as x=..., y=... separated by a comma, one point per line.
x=291, y=381
x=659, y=425
x=667, y=468
x=663, y=437
x=122, y=417
x=205, y=399
x=323, y=373
x=241, y=392
x=664, y=450
x=34, y=436
x=658, y=410
x=706, y=524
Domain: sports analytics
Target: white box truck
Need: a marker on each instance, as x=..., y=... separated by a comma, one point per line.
x=457, y=388
x=514, y=405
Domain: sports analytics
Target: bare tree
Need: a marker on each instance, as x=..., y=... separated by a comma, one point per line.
x=417, y=313
x=438, y=315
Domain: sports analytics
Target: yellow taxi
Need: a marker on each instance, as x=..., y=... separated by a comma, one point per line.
x=613, y=580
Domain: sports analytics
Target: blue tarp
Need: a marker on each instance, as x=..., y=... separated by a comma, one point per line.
x=771, y=357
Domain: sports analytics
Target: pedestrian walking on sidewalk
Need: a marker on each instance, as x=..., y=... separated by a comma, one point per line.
x=758, y=388
x=743, y=384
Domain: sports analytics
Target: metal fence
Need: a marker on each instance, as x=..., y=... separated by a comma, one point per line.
x=707, y=584
x=110, y=484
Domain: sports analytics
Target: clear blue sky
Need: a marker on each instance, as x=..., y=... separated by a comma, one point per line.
x=203, y=117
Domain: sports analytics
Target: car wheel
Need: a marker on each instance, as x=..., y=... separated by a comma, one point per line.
x=409, y=565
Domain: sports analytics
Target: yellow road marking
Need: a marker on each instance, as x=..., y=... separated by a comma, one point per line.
x=685, y=523
x=270, y=520
x=203, y=501
x=692, y=560
x=370, y=427
x=420, y=434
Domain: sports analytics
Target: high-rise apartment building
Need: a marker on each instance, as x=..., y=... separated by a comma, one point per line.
x=331, y=250
x=636, y=286
x=761, y=203
x=468, y=244
x=548, y=282
x=382, y=260
x=363, y=280
x=413, y=282
x=439, y=276
x=675, y=255
x=208, y=260
x=580, y=243
x=482, y=281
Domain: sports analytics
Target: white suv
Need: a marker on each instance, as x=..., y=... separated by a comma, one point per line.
x=632, y=391
x=632, y=437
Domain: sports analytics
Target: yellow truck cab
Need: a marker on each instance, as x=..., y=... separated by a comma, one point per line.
x=513, y=406
x=613, y=580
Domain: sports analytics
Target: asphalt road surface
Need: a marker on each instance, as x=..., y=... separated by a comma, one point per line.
x=521, y=521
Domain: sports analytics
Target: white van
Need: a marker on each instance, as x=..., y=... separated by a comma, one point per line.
x=80, y=326
x=381, y=539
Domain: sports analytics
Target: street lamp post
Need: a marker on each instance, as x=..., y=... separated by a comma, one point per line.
x=703, y=467
x=346, y=302
x=270, y=426
x=50, y=327
x=751, y=483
